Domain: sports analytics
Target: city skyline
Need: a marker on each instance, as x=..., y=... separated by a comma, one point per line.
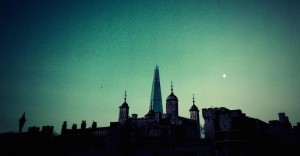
x=72, y=60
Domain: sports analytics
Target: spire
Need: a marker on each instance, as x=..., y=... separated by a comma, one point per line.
x=124, y=105
x=171, y=86
x=193, y=100
x=172, y=97
x=194, y=107
x=156, y=101
x=125, y=96
x=156, y=73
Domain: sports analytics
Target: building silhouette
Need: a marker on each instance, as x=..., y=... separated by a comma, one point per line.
x=224, y=125
x=168, y=126
x=226, y=133
x=130, y=133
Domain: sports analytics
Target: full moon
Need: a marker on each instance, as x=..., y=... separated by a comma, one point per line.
x=224, y=75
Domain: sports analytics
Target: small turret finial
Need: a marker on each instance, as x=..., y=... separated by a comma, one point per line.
x=171, y=86
x=125, y=96
x=193, y=99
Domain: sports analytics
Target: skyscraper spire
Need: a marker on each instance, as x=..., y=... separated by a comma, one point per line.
x=156, y=100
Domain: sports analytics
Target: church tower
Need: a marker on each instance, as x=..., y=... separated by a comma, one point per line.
x=124, y=111
x=194, y=112
x=172, y=106
x=156, y=101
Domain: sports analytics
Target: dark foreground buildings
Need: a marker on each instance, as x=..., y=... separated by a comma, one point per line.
x=225, y=133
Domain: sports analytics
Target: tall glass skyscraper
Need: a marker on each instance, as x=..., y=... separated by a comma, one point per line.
x=156, y=102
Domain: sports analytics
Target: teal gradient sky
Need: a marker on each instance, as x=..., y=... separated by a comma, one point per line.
x=72, y=60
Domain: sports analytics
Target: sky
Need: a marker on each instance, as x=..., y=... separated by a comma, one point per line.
x=72, y=60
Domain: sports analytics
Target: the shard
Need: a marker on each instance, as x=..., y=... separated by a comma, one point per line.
x=156, y=101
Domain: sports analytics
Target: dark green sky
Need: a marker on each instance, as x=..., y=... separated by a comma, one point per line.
x=72, y=60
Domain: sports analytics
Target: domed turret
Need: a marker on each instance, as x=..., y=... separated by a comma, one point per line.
x=172, y=97
x=194, y=114
x=124, y=111
x=172, y=106
x=194, y=108
x=124, y=105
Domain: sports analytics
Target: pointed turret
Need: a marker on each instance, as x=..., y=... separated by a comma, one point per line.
x=156, y=100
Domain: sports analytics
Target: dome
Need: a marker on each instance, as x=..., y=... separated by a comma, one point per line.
x=194, y=108
x=124, y=105
x=172, y=97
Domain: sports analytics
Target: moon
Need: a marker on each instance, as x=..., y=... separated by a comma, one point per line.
x=224, y=76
